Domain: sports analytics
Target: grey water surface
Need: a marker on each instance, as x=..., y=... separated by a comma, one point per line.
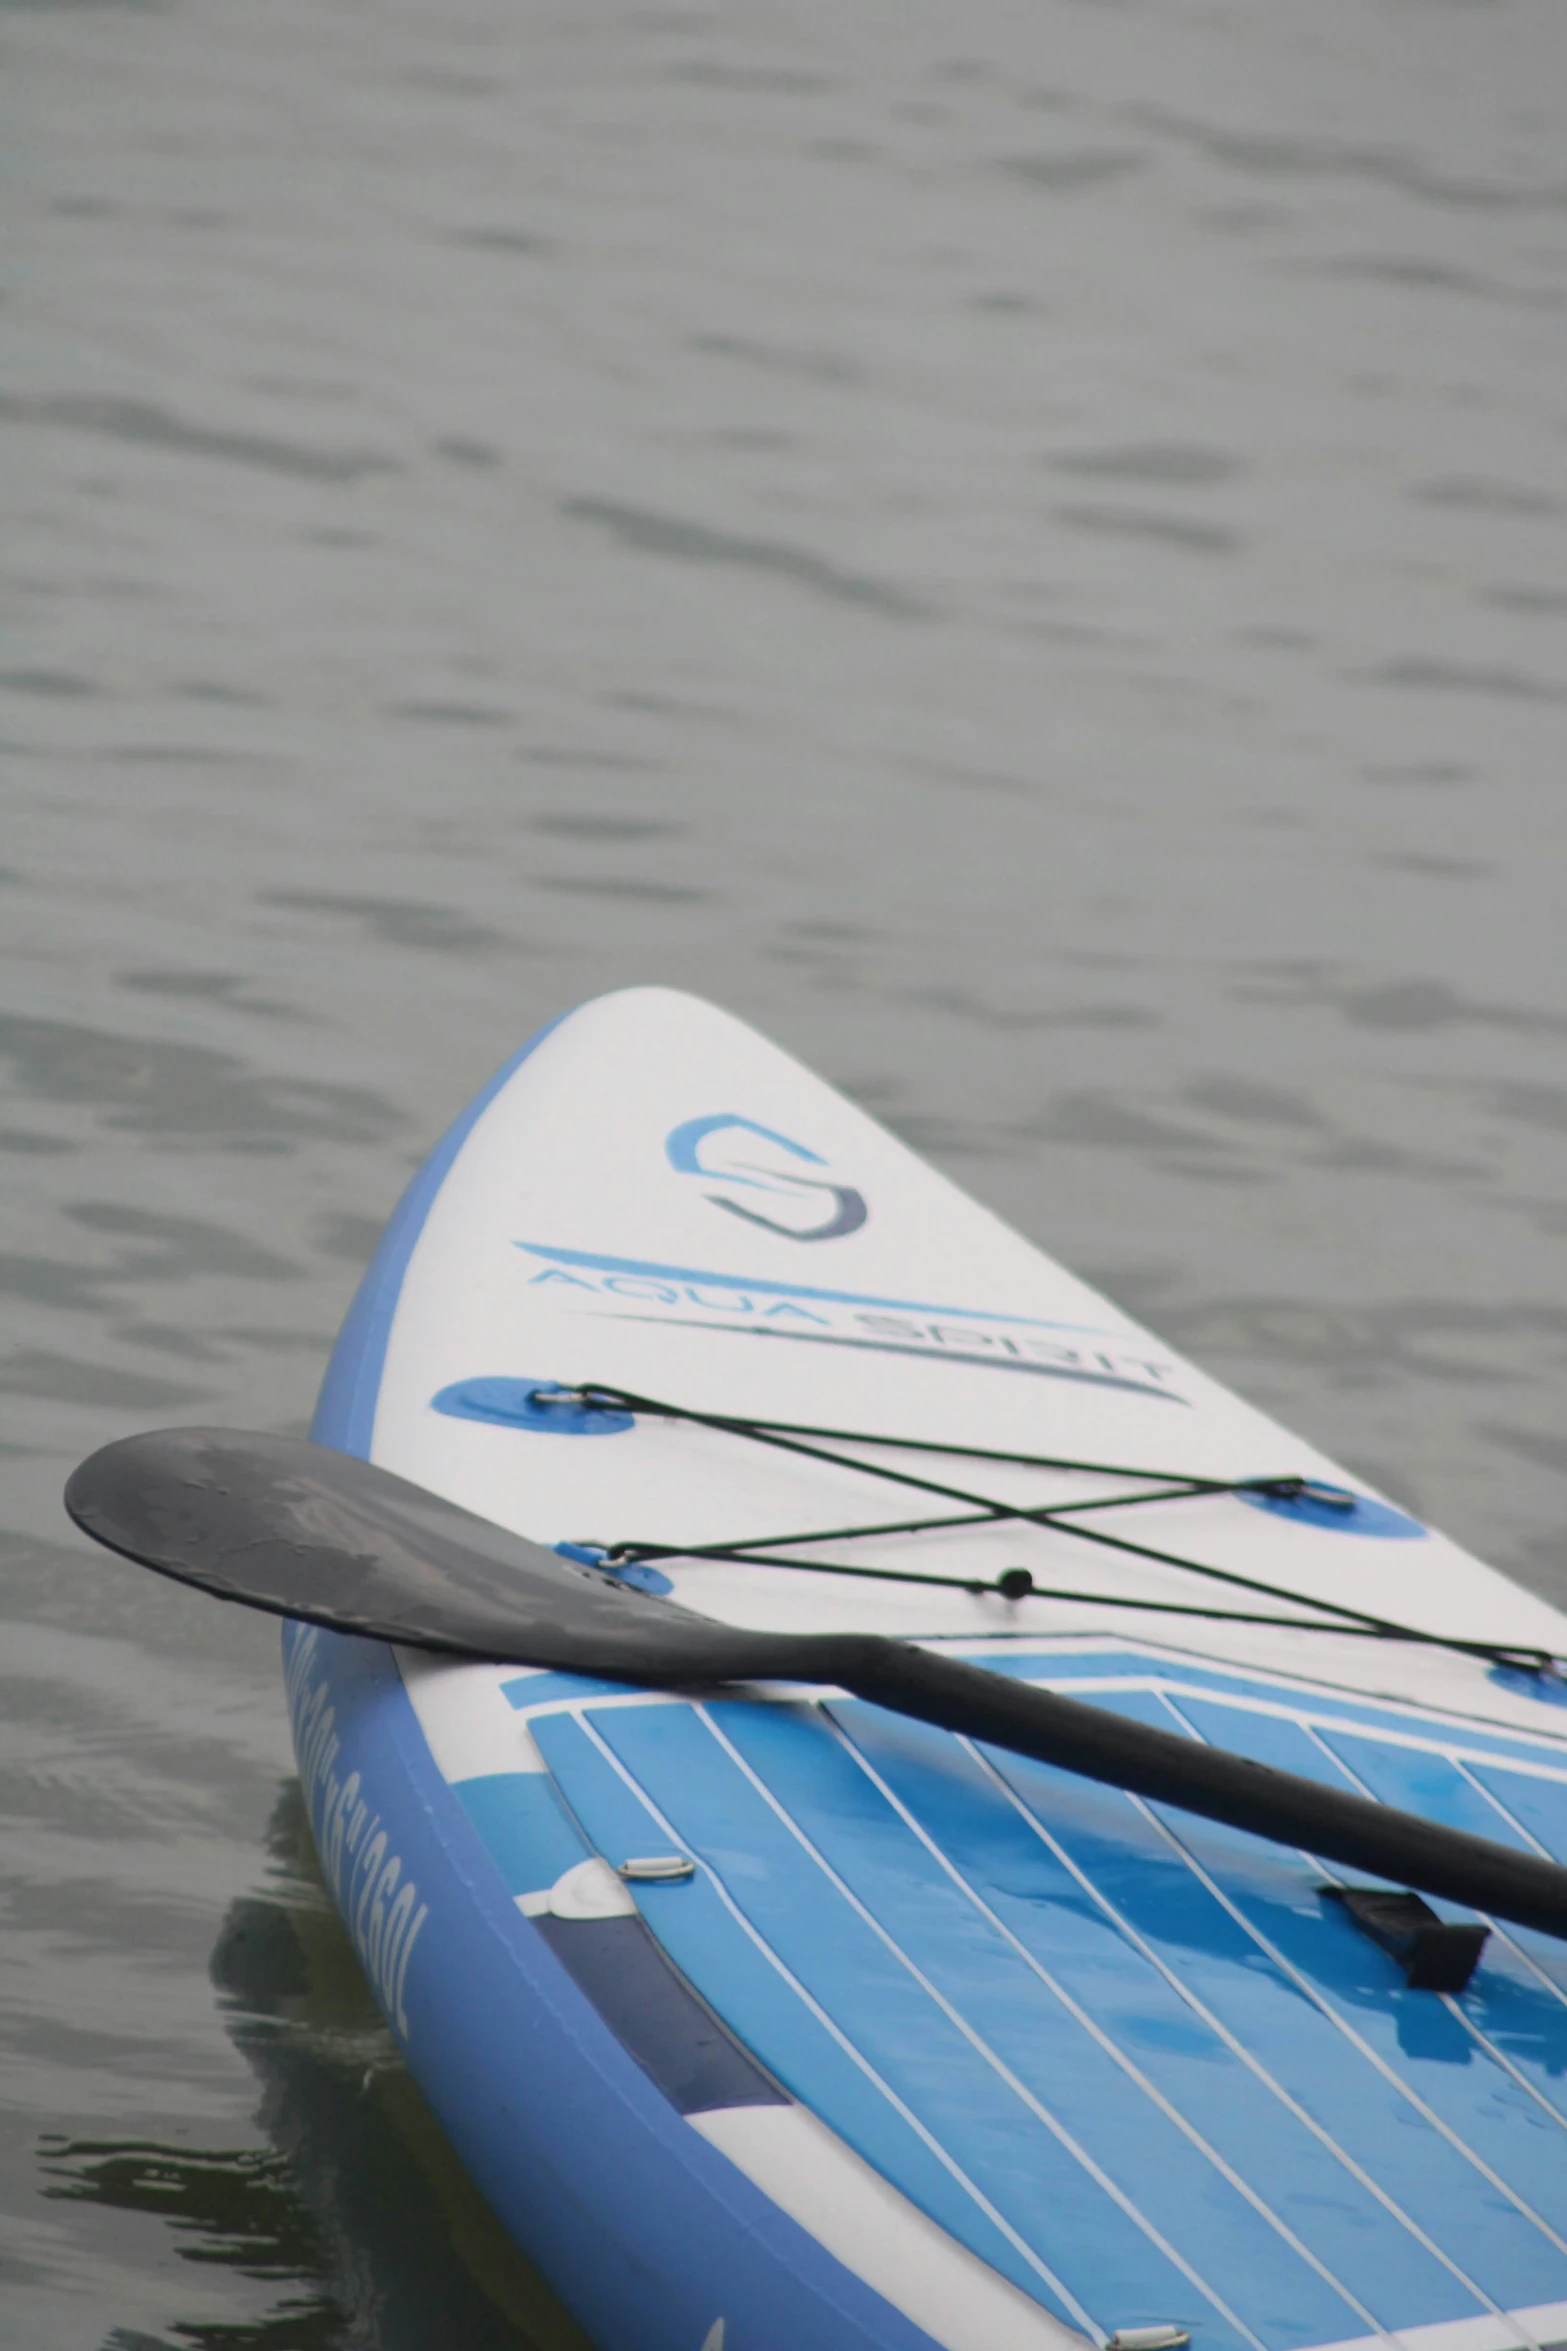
x=1021, y=547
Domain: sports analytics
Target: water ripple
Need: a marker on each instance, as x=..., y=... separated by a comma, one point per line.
x=690, y=542
x=1024, y=557
x=146, y=425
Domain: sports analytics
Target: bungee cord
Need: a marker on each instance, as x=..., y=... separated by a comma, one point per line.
x=1018, y=1583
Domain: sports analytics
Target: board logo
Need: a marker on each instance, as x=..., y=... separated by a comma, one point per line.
x=378, y=1899
x=735, y=1155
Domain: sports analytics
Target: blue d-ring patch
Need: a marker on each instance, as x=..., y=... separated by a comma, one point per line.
x=1547, y=1687
x=529, y=1404
x=1339, y=1512
x=635, y=1572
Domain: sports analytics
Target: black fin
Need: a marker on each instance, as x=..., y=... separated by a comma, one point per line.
x=1435, y=1956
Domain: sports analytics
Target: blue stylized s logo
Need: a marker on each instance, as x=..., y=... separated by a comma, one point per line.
x=715, y=1148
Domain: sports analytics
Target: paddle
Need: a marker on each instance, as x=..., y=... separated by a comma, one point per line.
x=280, y=1524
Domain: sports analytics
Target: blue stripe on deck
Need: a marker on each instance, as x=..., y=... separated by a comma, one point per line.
x=1000, y=1852
x=1052, y=2054
x=1217, y=2098
x=1424, y=2053
x=1538, y=1809
x=552, y=1689
x=1178, y=1673
x=1039, y=2184
x=708, y=1943
x=1523, y=2019
x=524, y=1827
x=1539, y=1806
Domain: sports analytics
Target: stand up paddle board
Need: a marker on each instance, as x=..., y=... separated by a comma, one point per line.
x=767, y=2020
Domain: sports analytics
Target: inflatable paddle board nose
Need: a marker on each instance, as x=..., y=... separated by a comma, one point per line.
x=769, y=2020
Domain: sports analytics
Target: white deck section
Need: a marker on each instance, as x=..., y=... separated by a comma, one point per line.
x=810, y=2174
x=473, y=1731
x=565, y=1245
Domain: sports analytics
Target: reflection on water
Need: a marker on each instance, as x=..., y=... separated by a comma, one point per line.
x=233, y=2206
x=355, y=2215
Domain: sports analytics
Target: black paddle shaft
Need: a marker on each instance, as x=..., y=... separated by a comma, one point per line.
x=280, y=1524
x=1332, y=1823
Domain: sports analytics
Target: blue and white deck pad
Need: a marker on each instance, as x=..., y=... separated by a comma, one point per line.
x=771, y=2021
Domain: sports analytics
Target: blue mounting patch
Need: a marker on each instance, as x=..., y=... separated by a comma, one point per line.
x=642, y=1576
x=544, y=1407
x=635, y=1572
x=1337, y=1510
x=1545, y=1688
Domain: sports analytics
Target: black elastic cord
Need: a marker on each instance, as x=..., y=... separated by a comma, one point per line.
x=1017, y=1583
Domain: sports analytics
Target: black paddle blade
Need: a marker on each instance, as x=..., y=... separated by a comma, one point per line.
x=280, y=1524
